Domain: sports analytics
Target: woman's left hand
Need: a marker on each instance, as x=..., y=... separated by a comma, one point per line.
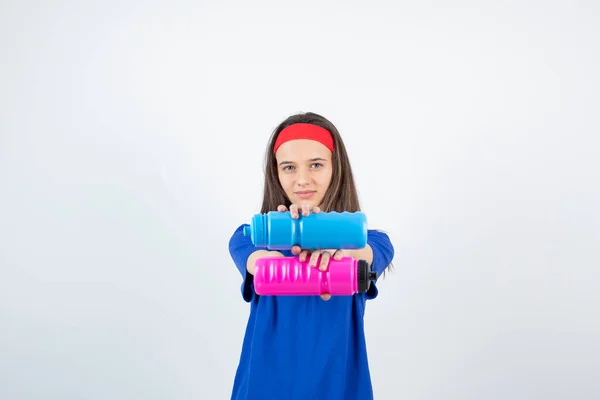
x=325, y=256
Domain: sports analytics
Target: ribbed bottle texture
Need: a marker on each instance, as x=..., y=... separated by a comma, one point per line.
x=290, y=276
x=279, y=231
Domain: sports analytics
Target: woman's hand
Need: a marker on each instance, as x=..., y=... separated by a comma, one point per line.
x=320, y=257
x=295, y=211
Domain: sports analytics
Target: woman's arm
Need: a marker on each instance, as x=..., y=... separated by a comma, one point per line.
x=250, y=264
x=378, y=252
x=244, y=255
x=363, y=254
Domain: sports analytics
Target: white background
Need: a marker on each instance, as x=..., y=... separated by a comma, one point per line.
x=132, y=137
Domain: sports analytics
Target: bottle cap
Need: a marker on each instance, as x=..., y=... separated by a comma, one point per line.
x=365, y=276
x=257, y=230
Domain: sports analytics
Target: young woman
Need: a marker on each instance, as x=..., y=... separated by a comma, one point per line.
x=306, y=347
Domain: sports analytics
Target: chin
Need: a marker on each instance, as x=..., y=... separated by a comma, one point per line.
x=310, y=202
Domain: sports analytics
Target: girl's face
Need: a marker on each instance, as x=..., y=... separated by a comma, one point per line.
x=304, y=168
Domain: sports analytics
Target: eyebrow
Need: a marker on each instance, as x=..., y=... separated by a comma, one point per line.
x=311, y=160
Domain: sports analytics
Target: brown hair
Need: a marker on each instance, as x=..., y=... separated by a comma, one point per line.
x=341, y=194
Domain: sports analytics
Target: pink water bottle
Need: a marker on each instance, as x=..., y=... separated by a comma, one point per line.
x=288, y=276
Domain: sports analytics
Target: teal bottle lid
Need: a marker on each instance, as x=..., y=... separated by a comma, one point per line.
x=256, y=230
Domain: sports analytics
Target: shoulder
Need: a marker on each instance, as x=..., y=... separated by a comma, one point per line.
x=381, y=244
x=376, y=233
x=238, y=238
x=378, y=237
x=239, y=230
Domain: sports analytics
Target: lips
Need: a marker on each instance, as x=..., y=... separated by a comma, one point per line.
x=305, y=194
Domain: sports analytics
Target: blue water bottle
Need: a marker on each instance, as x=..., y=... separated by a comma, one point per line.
x=324, y=230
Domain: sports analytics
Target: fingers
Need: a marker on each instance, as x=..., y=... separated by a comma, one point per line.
x=294, y=211
x=303, y=255
x=306, y=210
x=319, y=257
x=314, y=258
x=338, y=255
x=325, y=257
x=297, y=210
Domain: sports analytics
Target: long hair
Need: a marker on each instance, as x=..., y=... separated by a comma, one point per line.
x=341, y=194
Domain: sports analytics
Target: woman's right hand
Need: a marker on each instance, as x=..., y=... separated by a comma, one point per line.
x=295, y=211
x=305, y=209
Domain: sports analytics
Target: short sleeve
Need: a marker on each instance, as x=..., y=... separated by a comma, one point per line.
x=240, y=248
x=383, y=254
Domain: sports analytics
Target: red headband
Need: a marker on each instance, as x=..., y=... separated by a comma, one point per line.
x=304, y=131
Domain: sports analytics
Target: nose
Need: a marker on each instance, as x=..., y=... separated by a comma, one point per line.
x=303, y=177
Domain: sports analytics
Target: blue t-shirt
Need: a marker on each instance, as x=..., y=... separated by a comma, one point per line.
x=302, y=347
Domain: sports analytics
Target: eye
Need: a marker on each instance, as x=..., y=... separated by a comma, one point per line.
x=316, y=165
x=288, y=168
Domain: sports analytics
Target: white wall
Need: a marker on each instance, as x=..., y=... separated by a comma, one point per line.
x=131, y=144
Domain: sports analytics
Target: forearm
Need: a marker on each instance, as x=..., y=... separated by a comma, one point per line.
x=365, y=253
x=258, y=254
